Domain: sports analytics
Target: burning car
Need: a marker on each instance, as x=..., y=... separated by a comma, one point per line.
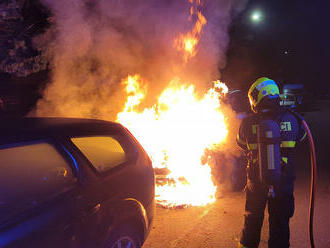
x=73, y=183
x=175, y=132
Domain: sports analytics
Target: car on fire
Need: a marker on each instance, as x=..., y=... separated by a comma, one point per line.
x=73, y=183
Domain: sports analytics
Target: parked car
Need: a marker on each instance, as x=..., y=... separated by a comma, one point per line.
x=73, y=183
x=292, y=95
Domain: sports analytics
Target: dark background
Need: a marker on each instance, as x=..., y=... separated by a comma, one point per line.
x=290, y=44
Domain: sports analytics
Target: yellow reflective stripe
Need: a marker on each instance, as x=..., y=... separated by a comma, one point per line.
x=285, y=159
x=252, y=146
x=288, y=144
x=254, y=129
x=284, y=144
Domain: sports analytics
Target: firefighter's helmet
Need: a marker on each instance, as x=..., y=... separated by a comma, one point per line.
x=262, y=88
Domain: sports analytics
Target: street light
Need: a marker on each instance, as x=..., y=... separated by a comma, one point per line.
x=256, y=16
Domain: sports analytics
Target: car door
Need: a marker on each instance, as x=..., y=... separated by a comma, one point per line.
x=111, y=162
x=38, y=195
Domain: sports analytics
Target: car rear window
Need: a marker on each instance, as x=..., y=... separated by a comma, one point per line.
x=103, y=152
x=30, y=173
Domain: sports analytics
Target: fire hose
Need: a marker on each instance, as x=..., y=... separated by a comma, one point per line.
x=313, y=182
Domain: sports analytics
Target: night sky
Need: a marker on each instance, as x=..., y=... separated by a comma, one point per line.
x=291, y=44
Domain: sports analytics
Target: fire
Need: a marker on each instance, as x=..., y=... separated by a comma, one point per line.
x=221, y=86
x=175, y=132
x=134, y=91
x=179, y=128
x=188, y=42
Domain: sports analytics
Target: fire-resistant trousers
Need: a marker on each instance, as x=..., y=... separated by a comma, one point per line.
x=280, y=209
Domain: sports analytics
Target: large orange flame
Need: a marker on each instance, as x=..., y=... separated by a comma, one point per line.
x=178, y=129
x=175, y=132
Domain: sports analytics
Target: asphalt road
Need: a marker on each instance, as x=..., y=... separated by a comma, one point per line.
x=219, y=224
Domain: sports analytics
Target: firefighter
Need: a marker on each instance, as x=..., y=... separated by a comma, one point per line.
x=264, y=101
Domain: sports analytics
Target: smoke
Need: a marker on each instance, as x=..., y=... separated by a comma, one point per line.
x=92, y=45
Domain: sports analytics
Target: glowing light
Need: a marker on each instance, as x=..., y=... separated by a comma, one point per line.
x=256, y=16
x=190, y=44
x=175, y=132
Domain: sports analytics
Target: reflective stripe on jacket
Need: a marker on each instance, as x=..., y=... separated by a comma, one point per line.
x=291, y=131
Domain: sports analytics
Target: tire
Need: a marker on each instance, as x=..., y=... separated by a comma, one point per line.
x=124, y=237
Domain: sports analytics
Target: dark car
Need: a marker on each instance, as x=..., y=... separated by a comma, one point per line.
x=292, y=96
x=73, y=183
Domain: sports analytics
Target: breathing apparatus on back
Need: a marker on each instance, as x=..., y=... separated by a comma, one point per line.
x=264, y=96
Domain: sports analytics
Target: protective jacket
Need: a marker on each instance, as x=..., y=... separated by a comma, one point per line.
x=281, y=207
x=291, y=131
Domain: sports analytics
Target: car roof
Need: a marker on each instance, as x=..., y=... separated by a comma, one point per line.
x=48, y=126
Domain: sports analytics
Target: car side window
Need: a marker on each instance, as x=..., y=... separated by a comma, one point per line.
x=30, y=173
x=104, y=152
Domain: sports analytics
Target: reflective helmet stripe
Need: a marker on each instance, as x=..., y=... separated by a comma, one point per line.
x=268, y=90
x=265, y=83
x=261, y=88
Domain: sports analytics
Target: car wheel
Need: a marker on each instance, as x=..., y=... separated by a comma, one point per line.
x=124, y=237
